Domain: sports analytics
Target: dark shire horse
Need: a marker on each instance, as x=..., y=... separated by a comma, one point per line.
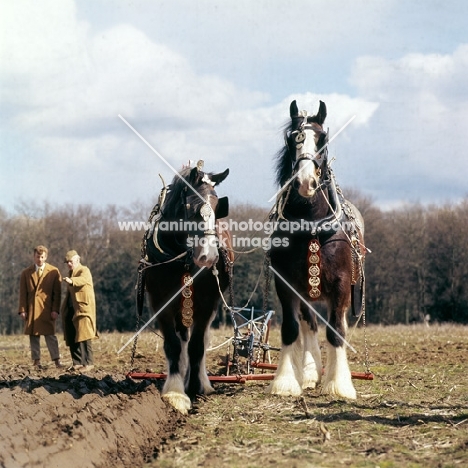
x=323, y=258
x=182, y=264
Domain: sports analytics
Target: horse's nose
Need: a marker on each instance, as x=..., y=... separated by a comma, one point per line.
x=202, y=259
x=205, y=261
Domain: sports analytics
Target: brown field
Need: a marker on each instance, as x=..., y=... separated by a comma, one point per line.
x=413, y=414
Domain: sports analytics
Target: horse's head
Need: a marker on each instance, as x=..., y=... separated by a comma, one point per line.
x=202, y=208
x=306, y=143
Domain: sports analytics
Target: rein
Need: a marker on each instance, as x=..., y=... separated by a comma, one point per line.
x=145, y=264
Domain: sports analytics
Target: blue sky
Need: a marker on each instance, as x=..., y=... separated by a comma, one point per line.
x=213, y=80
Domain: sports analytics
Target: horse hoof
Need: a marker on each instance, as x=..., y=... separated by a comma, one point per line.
x=310, y=379
x=285, y=387
x=309, y=384
x=344, y=391
x=179, y=401
x=208, y=390
x=206, y=386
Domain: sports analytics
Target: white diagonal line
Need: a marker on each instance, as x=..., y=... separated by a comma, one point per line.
x=311, y=308
x=159, y=156
x=304, y=166
x=157, y=313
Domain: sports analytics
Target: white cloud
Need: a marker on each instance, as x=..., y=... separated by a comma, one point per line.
x=266, y=29
x=64, y=81
x=416, y=134
x=39, y=41
x=79, y=81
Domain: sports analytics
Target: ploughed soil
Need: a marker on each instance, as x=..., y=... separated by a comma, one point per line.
x=58, y=418
x=414, y=413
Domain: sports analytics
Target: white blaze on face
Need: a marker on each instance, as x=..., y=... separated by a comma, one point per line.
x=206, y=251
x=307, y=178
x=308, y=173
x=306, y=143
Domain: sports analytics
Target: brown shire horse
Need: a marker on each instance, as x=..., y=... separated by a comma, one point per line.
x=321, y=260
x=181, y=256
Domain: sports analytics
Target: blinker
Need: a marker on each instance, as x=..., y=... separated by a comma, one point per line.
x=222, y=210
x=300, y=137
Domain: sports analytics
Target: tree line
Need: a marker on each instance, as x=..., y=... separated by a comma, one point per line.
x=418, y=265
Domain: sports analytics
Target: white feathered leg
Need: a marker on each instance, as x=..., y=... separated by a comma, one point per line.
x=312, y=365
x=174, y=388
x=288, y=376
x=203, y=375
x=337, y=379
x=174, y=393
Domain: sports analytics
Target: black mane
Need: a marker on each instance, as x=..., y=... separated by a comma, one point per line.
x=283, y=160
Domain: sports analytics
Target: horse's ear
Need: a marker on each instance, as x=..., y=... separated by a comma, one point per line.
x=218, y=178
x=293, y=110
x=322, y=113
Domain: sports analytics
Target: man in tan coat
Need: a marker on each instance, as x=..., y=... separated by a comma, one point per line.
x=39, y=305
x=79, y=313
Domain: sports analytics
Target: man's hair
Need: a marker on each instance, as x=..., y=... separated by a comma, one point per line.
x=40, y=249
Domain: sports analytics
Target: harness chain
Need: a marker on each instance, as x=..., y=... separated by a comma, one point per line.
x=229, y=268
x=230, y=265
x=140, y=302
x=353, y=269
x=363, y=312
x=140, y=288
x=137, y=329
x=266, y=292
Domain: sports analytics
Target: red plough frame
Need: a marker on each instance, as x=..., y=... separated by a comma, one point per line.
x=258, y=327
x=241, y=378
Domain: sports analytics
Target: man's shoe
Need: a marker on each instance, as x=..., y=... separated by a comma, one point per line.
x=58, y=364
x=37, y=364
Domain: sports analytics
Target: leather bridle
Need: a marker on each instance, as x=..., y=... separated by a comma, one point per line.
x=303, y=143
